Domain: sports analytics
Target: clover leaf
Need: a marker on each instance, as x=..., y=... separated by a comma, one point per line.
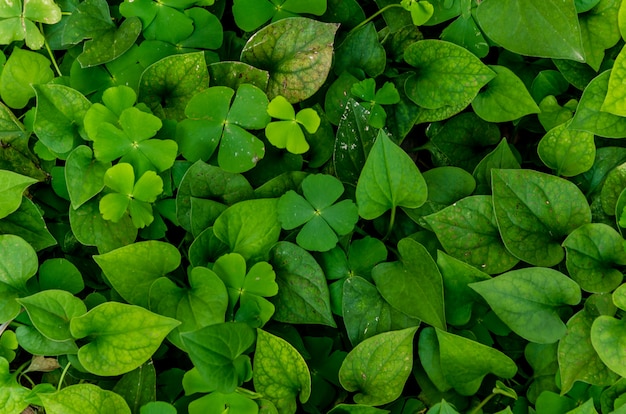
x=373, y=99
x=251, y=14
x=17, y=20
x=248, y=289
x=287, y=133
x=421, y=11
x=323, y=221
x=136, y=197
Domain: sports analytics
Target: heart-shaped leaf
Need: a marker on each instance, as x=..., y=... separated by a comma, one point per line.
x=84, y=398
x=607, y=335
x=12, y=186
x=567, y=151
x=19, y=263
x=23, y=69
x=84, y=175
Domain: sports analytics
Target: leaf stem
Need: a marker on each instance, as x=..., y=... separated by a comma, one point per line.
x=482, y=404
x=67, y=367
x=372, y=17
x=392, y=220
x=54, y=61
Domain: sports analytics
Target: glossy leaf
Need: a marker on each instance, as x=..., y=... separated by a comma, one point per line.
x=378, y=367
x=534, y=211
x=84, y=398
x=297, y=53
x=280, y=372
x=613, y=99
x=121, y=337
x=111, y=44
x=567, y=151
x=527, y=300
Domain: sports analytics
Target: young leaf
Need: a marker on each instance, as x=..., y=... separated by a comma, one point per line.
x=527, y=300
x=84, y=398
x=547, y=208
x=122, y=337
x=378, y=367
x=20, y=263
x=280, y=373
x=567, y=151
x=12, y=186
x=389, y=179
x=288, y=132
x=217, y=351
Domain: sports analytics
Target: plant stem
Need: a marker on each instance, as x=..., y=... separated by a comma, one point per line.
x=373, y=16
x=54, y=62
x=482, y=404
x=392, y=220
x=67, y=367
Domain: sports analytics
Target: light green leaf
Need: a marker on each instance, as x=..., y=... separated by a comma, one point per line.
x=527, y=300
x=504, y=98
x=569, y=152
x=280, y=373
x=297, y=52
x=468, y=231
x=613, y=102
x=217, y=351
x=412, y=285
x=216, y=402
x=34, y=342
x=23, y=69
x=378, y=367
x=535, y=211
x=303, y=296
x=84, y=175
x=614, y=184
x=598, y=30
x=121, y=337
x=18, y=263
x=607, y=335
x=12, y=394
x=12, y=186
x=389, y=179
x=132, y=269
x=578, y=361
x=120, y=178
x=593, y=251
x=447, y=74
x=51, y=311
x=533, y=28
x=84, y=399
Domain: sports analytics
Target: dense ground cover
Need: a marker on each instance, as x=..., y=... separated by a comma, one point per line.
x=315, y=206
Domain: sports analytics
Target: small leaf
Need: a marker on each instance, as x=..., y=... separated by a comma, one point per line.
x=527, y=300
x=23, y=69
x=84, y=398
x=84, y=175
x=280, y=372
x=607, y=335
x=389, y=179
x=567, y=151
x=19, y=263
x=12, y=186
x=122, y=337
x=378, y=367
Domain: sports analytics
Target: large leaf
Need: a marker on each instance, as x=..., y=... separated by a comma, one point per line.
x=389, y=179
x=535, y=211
x=280, y=373
x=18, y=263
x=121, y=337
x=534, y=27
x=378, y=367
x=84, y=398
x=132, y=269
x=607, y=335
x=297, y=52
x=528, y=300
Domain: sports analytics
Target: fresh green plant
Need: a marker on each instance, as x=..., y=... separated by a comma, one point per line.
x=328, y=206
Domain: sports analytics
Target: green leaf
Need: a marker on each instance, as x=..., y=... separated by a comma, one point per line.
x=27, y=222
x=168, y=85
x=12, y=186
x=34, y=342
x=614, y=184
x=280, y=373
x=441, y=68
x=234, y=74
x=598, y=30
x=84, y=175
x=378, y=367
x=84, y=398
x=91, y=18
x=547, y=208
x=121, y=337
x=249, y=228
x=527, y=300
x=18, y=264
x=217, y=351
x=500, y=158
x=613, y=100
x=23, y=69
x=297, y=52
x=568, y=152
x=19, y=23
x=132, y=269
x=468, y=231
x=303, y=295
x=465, y=32
x=504, y=98
x=60, y=274
x=216, y=402
x=389, y=179
x=59, y=117
x=51, y=311
x=111, y=44
x=361, y=53
x=593, y=250
x=578, y=361
x=138, y=387
x=533, y=28
x=288, y=133
x=412, y=285
x=607, y=333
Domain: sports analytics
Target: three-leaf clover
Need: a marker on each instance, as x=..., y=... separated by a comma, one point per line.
x=136, y=197
x=287, y=133
x=373, y=99
x=323, y=221
x=17, y=20
x=248, y=289
x=421, y=11
x=251, y=14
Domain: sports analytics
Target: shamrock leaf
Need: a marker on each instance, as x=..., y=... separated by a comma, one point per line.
x=251, y=14
x=249, y=289
x=128, y=195
x=421, y=11
x=287, y=133
x=387, y=95
x=323, y=221
x=17, y=21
